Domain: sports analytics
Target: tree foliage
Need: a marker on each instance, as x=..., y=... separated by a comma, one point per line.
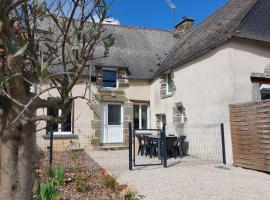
x=41, y=37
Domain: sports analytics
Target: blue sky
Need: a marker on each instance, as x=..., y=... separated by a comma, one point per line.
x=157, y=14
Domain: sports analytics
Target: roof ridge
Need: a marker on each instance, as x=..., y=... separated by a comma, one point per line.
x=124, y=26
x=139, y=27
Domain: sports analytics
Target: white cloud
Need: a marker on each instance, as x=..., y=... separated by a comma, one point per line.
x=109, y=20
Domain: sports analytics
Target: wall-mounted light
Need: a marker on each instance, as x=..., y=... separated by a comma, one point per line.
x=113, y=94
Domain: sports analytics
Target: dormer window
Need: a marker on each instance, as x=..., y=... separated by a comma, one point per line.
x=169, y=83
x=109, y=79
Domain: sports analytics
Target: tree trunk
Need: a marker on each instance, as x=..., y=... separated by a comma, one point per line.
x=16, y=155
x=8, y=170
x=1, y=133
x=25, y=162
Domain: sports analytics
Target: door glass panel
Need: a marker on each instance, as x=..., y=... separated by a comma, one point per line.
x=114, y=114
x=136, y=116
x=144, y=116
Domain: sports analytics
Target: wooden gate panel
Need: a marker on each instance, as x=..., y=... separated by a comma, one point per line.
x=250, y=128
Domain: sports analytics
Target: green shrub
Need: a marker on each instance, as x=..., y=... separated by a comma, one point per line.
x=129, y=194
x=109, y=181
x=81, y=183
x=47, y=191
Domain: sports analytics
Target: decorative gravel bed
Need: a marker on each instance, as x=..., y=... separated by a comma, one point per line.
x=84, y=178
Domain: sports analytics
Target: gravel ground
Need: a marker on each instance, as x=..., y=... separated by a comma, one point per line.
x=186, y=180
x=199, y=182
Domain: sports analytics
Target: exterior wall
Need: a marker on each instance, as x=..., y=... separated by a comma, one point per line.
x=81, y=114
x=138, y=90
x=209, y=83
x=130, y=89
x=87, y=117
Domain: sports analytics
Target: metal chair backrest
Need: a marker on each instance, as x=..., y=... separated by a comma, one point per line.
x=171, y=141
x=140, y=139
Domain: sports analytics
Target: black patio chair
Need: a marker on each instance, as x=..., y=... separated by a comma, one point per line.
x=150, y=147
x=172, y=147
x=181, y=141
x=141, y=148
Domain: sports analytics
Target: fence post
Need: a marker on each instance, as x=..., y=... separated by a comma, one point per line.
x=51, y=145
x=223, y=144
x=163, y=145
x=130, y=146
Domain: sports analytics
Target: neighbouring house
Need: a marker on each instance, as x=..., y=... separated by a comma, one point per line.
x=188, y=75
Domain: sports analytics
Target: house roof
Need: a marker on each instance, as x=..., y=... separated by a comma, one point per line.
x=137, y=49
x=256, y=24
x=237, y=18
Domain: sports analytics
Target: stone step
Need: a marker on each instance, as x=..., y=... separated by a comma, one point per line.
x=113, y=147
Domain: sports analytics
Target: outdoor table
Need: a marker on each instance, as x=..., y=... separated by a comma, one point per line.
x=143, y=133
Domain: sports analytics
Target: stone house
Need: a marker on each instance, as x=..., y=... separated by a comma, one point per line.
x=188, y=75
x=119, y=90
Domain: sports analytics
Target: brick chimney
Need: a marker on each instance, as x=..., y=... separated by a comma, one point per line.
x=184, y=26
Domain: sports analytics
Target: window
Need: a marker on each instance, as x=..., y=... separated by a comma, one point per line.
x=169, y=83
x=61, y=128
x=140, y=116
x=265, y=91
x=109, y=79
x=114, y=114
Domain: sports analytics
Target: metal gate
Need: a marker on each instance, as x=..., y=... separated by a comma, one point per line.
x=147, y=147
x=177, y=144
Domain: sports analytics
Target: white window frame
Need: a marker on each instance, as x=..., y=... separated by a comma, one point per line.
x=167, y=82
x=117, y=81
x=140, y=114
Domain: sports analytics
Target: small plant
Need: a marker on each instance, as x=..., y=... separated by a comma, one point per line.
x=58, y=175
x=109, y=181
x=47, y=191
x=80, y=182
x=129, y=193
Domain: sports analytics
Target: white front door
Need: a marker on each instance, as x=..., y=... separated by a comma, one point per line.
x=112, y=123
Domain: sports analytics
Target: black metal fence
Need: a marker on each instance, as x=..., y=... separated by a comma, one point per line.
x=179, y=144
x=83, y=147
x=174, y=144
